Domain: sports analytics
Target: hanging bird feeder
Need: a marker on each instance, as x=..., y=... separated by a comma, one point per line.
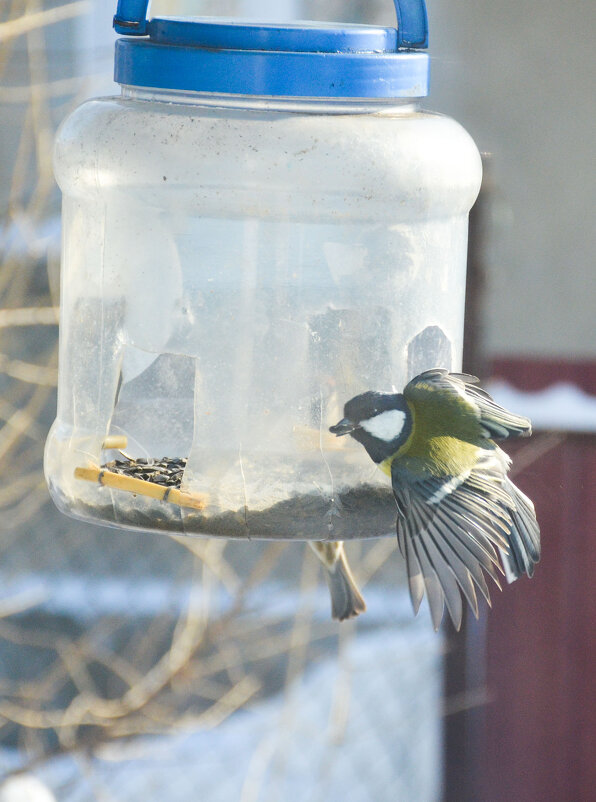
x=261, y=226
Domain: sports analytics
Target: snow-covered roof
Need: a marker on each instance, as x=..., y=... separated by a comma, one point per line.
x=560, y=407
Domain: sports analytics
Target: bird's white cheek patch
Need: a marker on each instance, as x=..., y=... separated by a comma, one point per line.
x=386, y=426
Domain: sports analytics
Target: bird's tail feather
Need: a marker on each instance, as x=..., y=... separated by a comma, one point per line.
x=346, y=599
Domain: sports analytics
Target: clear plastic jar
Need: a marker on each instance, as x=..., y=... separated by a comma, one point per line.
x=234, y=270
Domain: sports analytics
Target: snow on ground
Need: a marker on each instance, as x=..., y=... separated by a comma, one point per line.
x=360, y=727
x=25, y=788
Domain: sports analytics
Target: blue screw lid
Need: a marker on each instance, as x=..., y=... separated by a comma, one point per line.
x=305, y=59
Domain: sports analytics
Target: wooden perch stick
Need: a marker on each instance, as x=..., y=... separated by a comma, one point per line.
x=117, y=441
x=141, y=487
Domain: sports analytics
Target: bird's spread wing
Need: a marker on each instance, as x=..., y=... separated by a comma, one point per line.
x=451, y=529
x=459, y=390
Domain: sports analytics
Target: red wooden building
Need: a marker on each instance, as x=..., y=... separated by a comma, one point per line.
x=529, y=731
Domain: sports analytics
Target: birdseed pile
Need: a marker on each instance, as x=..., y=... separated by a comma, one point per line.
x=166, y=472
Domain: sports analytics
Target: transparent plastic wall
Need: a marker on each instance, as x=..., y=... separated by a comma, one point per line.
x=231, y=277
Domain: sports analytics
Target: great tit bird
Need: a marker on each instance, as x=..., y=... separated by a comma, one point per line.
x=457, y=511
x=346, y=600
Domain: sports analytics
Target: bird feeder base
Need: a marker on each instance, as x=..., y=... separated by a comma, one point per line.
x=148, y=494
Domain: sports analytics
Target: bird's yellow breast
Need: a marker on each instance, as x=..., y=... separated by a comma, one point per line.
x=442, y=455
x=385, y=466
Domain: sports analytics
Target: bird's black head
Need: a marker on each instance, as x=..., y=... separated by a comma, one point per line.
x=380, y=421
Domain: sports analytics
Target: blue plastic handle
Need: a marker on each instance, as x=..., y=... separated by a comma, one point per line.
x=412, y=23
x=131, y=17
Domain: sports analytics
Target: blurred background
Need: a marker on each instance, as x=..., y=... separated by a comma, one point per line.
x=136, y=666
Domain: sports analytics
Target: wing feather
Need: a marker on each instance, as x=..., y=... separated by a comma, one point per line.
x=501, y=423
x=475, y=560
x=494, y=530
x=497, y=422
x=477, y=524
x=460, y=570
x=430, y=557
x=527, y=516
x=434, y=588
x=482, y=549
x=415, y=578
x=447, y=575
x=490, y=520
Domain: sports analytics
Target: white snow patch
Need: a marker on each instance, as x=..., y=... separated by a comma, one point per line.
x=85, y=598
x=25, y=788
x=560, y=407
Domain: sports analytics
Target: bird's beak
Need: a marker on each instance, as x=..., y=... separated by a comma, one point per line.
x=345, y=426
